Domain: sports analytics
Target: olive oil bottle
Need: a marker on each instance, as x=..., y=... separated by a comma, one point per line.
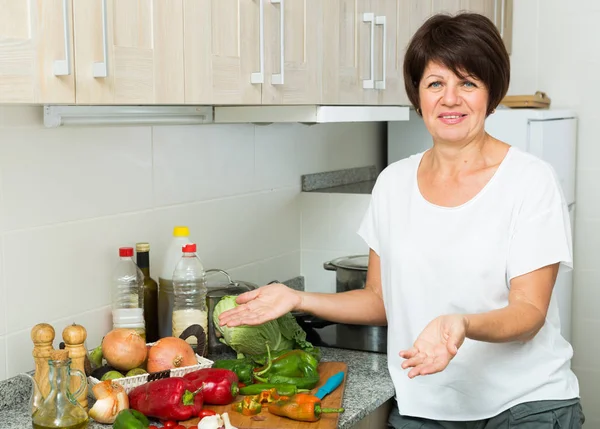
x=150, y=292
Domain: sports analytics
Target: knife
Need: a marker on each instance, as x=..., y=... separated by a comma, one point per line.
x=332, y=383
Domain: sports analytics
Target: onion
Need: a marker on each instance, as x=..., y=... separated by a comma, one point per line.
x=124, y=349
x=111, y=398
x=170, y=352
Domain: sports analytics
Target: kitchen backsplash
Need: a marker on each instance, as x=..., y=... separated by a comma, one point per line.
x=69, y=197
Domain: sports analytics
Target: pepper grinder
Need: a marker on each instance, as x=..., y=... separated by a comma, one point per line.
x=74, y=337
x=42, y=336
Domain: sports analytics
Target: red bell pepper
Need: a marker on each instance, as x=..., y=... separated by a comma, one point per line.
x=219, y=385
x=167, y=399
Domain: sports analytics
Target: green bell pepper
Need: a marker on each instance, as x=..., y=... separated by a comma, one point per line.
x=282, y=389
x=296, y=367
x=242, y=367
x=131, y=419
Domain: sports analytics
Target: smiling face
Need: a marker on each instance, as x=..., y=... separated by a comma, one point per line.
x=453, y=108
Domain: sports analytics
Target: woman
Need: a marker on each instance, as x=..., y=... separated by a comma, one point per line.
x=466, y=241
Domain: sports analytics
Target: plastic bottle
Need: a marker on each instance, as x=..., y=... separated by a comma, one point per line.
x=128, y=293
x=181, y=237
x=189, y=285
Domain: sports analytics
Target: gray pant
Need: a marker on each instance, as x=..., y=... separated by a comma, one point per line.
x=530, y=415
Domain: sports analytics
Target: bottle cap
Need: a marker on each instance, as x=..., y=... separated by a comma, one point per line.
x=125, y=251
x=142, y=247
x=181, y=231
x=188, y=248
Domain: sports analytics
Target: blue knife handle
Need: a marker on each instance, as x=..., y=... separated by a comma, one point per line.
x=332, y=383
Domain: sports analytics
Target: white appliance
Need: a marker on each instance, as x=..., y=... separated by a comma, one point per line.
x=549, y=134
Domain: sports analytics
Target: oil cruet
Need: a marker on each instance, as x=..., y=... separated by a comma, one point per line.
x=59, y=409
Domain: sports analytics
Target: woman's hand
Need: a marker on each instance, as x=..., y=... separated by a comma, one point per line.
x=436, y=346
x=261, y=305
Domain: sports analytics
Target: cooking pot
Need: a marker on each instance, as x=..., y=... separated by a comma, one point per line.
x=351, y=272
x=215, y=291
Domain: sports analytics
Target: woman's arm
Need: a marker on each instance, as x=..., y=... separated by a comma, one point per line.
x=525, y=313
x=363, y=306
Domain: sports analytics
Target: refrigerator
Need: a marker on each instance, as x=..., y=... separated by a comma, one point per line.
x=546, y=133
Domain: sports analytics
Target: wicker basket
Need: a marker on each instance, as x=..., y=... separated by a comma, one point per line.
x=129, y=383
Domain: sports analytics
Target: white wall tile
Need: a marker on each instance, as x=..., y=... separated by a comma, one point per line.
x=280, y=268
x=524, y=57
x=588, y=197
x=96, y=323
x=347, y=213
x=586, y=294
x=197, y=163
x=21, y=116
x=586, y=243
x=275, y=158
x=317, y=278
x=3, y=304
x=315, y=215
x=18, y=352
x=58, y=271
x=57, y=175
x=585, y=347
x=3, y=358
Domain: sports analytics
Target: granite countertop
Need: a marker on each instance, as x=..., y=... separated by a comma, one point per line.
x=368, y=386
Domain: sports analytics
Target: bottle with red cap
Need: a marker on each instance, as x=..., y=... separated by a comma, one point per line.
x=128, y=293
x=189, y=288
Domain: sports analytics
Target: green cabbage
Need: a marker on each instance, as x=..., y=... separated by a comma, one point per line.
x=281, y=334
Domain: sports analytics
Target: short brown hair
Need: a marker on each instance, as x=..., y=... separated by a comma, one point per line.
x=465, y=43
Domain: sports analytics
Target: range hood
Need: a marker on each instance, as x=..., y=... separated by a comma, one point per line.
x=68, y=115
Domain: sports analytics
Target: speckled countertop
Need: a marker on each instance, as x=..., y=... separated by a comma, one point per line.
x=368, y=386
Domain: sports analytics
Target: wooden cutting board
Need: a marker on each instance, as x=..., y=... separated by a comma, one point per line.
x=327, y=421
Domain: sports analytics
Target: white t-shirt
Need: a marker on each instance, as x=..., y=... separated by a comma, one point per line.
x=438, y=260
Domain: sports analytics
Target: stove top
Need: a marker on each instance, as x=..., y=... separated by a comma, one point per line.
x=339, y=335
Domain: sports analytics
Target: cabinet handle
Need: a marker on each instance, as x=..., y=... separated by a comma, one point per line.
x=63, y=67
x=370, y=17
x=100, y=69
x=502, y=13
x=380, y=20
x=259, y=77
x=277, y=79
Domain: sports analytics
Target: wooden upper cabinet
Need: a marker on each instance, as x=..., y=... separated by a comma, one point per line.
x=129, y=51
x=291, y=37
x=222, y=51
x=392, y=34
x=36, y=51
x=504, y=21
x=348, y=52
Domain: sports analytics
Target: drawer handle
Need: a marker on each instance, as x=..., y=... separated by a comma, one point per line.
x=369, y=83
x=259, y=77
x=380, y=20
x=277, y=78
x=63, y=67
x=100, y=69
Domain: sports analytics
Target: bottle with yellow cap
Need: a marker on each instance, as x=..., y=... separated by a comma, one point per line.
x=181, y=237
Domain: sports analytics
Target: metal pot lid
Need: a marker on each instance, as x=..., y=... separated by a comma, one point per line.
x=234, y=286
x=355, y=262
x=225, y=291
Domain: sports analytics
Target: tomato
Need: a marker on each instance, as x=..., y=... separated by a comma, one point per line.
x=152, y=427
x=206, y=413
x=180, y=427
x=170, y=424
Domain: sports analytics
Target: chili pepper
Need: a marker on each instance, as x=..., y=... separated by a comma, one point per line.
x=263, y=358
x=219, y=386
x=131, y=419
x=206, y=413
x=282, y=389
x=301, y=383
x=301, y=407
x=242, y=367
x=249, y=406
x=295, y=367
x=167, y=399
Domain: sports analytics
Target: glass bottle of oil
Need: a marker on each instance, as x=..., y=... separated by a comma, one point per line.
x=150, y=292
x=60, y=409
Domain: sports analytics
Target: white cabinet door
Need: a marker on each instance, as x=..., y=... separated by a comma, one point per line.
x=292, y=37
x=36, y=51
x=222, y=51
x=129, y=51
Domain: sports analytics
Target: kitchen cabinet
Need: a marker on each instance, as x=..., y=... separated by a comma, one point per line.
x=376, y=419
x=129, y=51
x=36, y=51
x=222, y=54
x=504, y=21
x=363, y=44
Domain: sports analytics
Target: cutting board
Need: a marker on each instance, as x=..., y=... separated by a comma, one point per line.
x=327, y=421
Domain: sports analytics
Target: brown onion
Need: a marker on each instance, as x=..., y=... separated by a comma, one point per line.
x=124, y=349
x=169, y=353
